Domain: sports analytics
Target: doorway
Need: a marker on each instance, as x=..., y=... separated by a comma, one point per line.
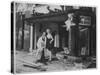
x=84, y=40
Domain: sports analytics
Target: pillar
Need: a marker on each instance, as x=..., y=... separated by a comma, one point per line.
x=31, y=39
x=56, y=40
x=70, y=40
x=22, y=43
x=35, y=37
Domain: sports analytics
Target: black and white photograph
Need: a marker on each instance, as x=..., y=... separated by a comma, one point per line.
x=51, y=37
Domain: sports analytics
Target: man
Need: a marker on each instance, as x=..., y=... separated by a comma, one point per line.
x=41, y=45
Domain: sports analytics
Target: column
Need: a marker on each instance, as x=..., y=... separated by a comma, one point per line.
x=56, y=41
x=35, y=39
x=22, y=40
x=31, y=39
x=69, y=41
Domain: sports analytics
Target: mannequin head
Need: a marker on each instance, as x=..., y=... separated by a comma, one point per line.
x=48, y=31
x=70, y=15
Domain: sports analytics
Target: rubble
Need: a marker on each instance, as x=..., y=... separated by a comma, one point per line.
x=26, y=63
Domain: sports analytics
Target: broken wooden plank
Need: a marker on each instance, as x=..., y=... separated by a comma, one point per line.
x=41, y=68
x=30, y=63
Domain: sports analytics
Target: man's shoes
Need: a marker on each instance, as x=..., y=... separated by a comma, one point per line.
x=44, y=63
x=38, y=61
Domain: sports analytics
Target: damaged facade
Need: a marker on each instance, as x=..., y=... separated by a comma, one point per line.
x=80, y=38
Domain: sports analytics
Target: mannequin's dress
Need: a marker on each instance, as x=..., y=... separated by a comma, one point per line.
x=49, y=45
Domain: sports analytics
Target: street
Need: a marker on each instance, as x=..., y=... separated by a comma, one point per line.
x=25, y=62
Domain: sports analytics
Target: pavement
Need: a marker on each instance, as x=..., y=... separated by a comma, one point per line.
x=25, y=63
